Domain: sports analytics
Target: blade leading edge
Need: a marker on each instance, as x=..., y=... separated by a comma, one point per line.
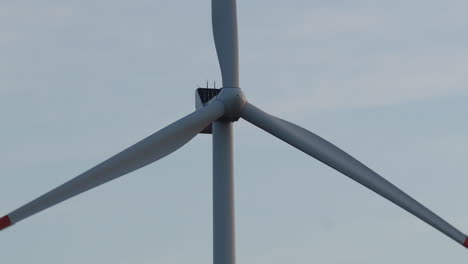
x=334, y=157
x=148, y=150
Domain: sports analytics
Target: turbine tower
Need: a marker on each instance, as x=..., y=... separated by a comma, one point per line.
x=217, y=110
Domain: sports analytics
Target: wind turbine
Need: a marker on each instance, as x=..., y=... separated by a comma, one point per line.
x=217, y=110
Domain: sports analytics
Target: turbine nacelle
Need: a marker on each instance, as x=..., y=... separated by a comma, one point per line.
x=232, y=98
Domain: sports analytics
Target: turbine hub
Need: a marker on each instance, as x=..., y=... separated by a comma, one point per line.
x=234, y=101
x=232, y=98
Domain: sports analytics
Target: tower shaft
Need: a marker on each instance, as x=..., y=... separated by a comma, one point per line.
x=223, y=194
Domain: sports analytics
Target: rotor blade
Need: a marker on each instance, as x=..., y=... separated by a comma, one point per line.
x=334, y=157
x=150, y=149
x=224, y=19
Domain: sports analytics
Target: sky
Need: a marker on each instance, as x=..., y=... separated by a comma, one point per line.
x=384, y=80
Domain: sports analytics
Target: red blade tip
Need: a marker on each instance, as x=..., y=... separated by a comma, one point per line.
x=466, y=242
x=5, y=222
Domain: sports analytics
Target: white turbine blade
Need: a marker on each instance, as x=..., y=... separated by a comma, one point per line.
x=224, y=19
x=150, y=149
x=334, y=157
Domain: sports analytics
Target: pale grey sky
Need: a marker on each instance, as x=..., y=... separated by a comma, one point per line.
x=386, y=81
